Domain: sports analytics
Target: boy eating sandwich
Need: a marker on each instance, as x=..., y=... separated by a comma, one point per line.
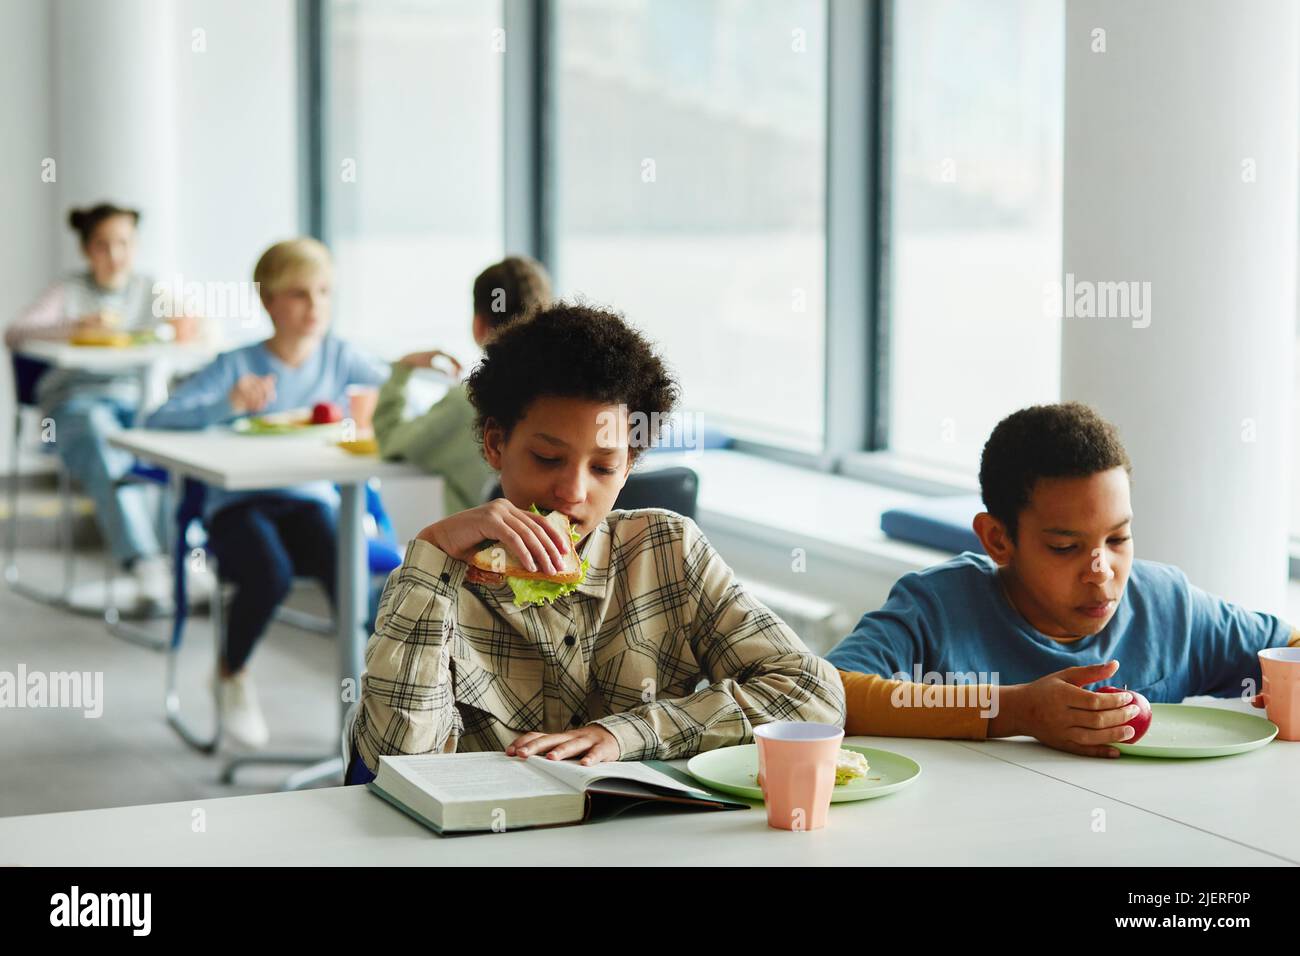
x=650, y=648
x=1059, y=604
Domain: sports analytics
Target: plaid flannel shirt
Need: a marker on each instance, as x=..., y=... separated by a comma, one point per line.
x=454, y=665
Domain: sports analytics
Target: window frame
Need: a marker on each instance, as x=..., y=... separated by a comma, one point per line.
x=856, y=360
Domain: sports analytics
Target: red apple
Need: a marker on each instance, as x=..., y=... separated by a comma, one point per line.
x=1142, y=722
x=326, y=413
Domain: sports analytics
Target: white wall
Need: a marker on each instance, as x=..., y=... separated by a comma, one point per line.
x=28, y=205
x=236, y=135
x=204, y=141
x=1180, y=172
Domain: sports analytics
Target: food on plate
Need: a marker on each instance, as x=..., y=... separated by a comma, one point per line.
x=850, y=765
x=326, y=413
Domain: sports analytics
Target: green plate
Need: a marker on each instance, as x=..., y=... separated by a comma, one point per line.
x=258, y=426
x=1186, y=730
x=734, y=770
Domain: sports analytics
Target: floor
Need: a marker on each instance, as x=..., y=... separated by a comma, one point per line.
x=59, y=759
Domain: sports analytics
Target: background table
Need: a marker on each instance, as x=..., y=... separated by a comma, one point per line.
x=108, y=359
x=970, y=806
x=233, y=462
x=152, y=363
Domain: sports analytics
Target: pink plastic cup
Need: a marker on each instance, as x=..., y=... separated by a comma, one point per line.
x=796, y=772
x=362, y=400
x=1281, y=667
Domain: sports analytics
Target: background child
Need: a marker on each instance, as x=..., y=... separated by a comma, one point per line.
x=441, y=441
x=88, y=407
x=1060, y=594
x=262, y=539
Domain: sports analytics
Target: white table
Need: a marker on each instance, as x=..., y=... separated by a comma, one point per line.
x=109, y=359
x=1251, y=798
x=152, y=362
x=224, y=459
x=969, y=807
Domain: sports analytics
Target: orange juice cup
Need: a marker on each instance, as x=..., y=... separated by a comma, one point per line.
x=1281, y=667
x=796, y=771
x=362, y=400
x=185, y=328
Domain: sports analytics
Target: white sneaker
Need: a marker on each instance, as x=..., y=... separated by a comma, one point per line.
x=241, y=717
x=153, y=580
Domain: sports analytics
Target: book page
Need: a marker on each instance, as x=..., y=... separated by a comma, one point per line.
x=579, y=777
x=460, y=778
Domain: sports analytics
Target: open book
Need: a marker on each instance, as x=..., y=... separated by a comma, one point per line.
x=490, y=791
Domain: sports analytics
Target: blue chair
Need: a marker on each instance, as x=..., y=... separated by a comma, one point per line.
x=383, y=557
x=675, y=489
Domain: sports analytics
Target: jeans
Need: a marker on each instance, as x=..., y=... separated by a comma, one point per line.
x=261, y=545
x=82, y=426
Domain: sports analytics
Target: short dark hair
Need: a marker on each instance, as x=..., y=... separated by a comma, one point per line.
x=1066, y=440
x=509, y=289
x=86, y=221
x=570, y=350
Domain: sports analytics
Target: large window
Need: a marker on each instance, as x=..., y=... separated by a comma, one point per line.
x=678, y=172
x=413, y=167
x=687, y=158
x=976, y=105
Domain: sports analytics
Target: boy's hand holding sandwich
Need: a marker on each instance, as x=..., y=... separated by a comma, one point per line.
x=535, y=546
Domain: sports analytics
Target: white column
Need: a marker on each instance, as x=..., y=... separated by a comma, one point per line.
x=115, y=116
x=1180, y=171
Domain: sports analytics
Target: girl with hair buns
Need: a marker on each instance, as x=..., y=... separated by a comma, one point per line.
x=87, y=407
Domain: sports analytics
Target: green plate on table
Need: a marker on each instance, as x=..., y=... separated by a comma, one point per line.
x=1186, y=730
x=734, y=770
x=279, y=424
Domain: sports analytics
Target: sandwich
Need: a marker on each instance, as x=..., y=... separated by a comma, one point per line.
x=850, y=765
x=535, y=587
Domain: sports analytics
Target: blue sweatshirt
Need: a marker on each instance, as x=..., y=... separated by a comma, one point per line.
x=1172, y=639
x=204, y=400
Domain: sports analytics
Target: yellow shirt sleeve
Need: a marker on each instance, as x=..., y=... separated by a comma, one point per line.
x=1295, y=639
x=882, y=707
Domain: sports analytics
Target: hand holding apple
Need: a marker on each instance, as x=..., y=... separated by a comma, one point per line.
x=1142, y=722
x=1060, y=713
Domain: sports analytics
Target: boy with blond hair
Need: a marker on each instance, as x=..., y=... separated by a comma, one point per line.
x=263, y=539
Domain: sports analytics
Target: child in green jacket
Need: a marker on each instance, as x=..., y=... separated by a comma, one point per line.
x=441, y=441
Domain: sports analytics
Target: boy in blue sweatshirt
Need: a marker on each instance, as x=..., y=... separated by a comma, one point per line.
x=263, y=539
x=1060, y=604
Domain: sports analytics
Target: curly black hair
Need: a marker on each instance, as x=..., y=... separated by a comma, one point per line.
x=570, y=350
x=1066, y=440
